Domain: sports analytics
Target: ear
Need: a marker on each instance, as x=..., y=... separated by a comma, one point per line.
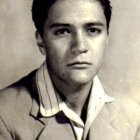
x=40, y=43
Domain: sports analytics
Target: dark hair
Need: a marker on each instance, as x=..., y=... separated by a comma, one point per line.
x=107, y=10
x=40, y=10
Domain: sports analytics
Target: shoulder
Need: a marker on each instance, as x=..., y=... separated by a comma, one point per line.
x=123, y=114
x=17, y=96
x=124, y=106
x=125, y=109
x=123, y=102
x=127, y=105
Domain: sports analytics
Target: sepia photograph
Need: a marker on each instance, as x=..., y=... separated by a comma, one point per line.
x=69, y=70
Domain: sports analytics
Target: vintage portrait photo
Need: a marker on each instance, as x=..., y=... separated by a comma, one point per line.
x=69, y=70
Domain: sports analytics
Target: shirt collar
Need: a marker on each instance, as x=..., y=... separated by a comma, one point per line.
x=50, y=103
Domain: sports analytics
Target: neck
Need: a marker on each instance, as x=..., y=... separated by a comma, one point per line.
x=75, y=95
x=76, y=99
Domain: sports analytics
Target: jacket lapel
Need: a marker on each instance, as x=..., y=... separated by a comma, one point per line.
x=102, y=128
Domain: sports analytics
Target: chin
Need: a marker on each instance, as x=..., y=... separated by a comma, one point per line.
x=82, y=79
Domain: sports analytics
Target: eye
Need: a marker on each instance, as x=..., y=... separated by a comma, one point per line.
x=93, y=31
x=62, y=32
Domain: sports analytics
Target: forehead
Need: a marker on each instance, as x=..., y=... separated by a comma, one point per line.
x=76, y=10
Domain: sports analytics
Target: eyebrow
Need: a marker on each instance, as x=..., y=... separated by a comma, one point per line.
x=59, y=25
x=98, y=23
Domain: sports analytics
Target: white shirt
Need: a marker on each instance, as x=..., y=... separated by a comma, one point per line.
x=51, y=104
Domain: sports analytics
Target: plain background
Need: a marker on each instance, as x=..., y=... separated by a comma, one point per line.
x=19, y=53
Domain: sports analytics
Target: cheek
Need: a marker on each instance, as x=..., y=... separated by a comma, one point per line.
x=98, y=50
x=56, y=54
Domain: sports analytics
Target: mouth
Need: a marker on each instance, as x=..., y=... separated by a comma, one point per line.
x=79, y=65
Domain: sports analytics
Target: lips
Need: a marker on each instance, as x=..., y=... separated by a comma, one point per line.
x=79, y=65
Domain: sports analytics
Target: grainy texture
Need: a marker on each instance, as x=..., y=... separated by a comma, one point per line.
x=19, y=53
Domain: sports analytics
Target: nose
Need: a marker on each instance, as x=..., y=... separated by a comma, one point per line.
x=78, y=44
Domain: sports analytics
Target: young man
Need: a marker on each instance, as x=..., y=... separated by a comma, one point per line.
x=64, y=99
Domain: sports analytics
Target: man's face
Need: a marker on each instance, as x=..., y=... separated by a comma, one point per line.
x=75, y=37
